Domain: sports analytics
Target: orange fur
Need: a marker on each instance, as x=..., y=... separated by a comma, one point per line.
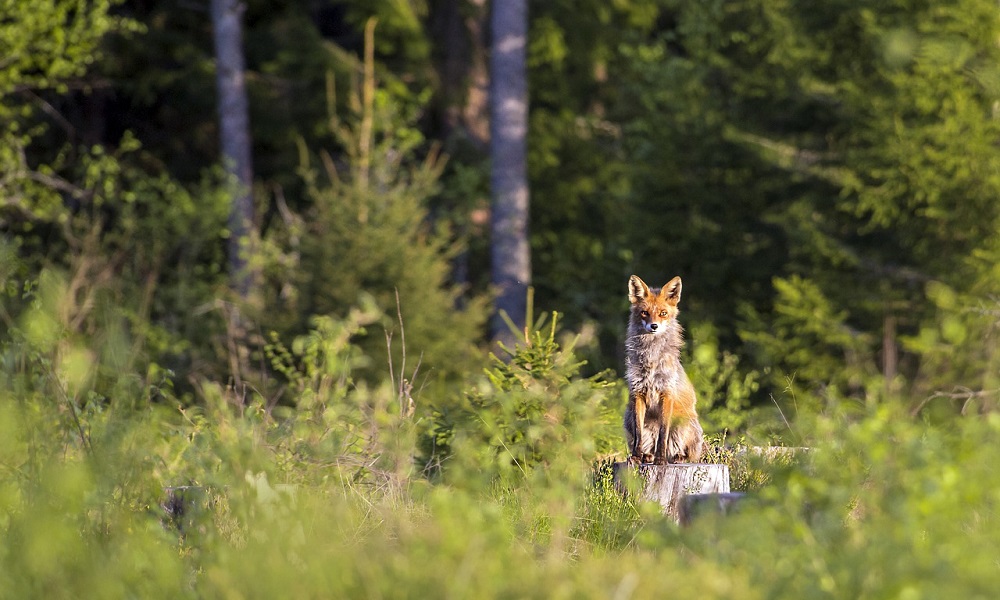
x=661, y=421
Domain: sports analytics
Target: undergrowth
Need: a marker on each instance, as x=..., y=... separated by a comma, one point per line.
x=111, y=486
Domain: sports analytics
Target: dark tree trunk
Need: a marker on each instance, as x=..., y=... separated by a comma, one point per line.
x=511, y=259
x=234, y=133
x=459, y=31
x=459, y=26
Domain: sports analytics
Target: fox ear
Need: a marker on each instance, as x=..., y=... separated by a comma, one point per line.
x=637, y=289
x=672, y=291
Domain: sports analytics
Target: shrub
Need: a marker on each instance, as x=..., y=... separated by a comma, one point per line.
x=532, y=409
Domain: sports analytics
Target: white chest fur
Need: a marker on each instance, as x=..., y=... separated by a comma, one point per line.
x=653, y=364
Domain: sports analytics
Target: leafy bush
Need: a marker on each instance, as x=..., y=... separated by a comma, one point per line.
x=883, y=507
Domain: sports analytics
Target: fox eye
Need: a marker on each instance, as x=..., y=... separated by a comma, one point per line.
x=644, y=314
x=663, y=313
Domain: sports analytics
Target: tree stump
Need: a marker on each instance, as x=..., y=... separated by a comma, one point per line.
x=668, y=484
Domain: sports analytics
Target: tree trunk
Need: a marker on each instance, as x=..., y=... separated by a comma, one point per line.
x=668, y=484
x=459, y=29
x=511, y=263
x=234, y=134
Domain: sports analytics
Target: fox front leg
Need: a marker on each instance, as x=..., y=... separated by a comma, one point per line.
x=644, y=457
x=661, y=457
x=638, y=422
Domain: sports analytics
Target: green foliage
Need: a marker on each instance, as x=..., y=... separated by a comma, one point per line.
x=368, y=232
x=322, y=358
x=799, y=164
x=724, y=391
x=92, y=240
x=47, y=45
x=752, y=468
x=50, y=42
x=812, y=341
x=816, y=173
x=578, y=167
x=874, y=487
x=822, y=176
x=959, y=345
x=120, y=233
x=609, y=519
x=404, y=40
x=532, y=411
x=336, y=422
x=323, y=498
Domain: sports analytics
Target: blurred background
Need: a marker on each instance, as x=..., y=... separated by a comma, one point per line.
x=823, y=177
x=323, y=298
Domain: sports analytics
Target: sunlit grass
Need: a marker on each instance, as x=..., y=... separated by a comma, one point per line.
x=105, y=492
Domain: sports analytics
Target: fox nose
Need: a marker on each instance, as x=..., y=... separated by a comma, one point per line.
x=653, y=326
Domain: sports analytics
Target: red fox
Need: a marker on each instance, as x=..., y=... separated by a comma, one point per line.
x=661, y=424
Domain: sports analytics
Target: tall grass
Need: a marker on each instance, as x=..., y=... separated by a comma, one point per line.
x=328, y=497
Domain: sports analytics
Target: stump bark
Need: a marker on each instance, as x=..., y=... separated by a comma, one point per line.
x=668, y=484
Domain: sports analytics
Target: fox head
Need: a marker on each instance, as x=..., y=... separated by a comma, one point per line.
x=653, y=308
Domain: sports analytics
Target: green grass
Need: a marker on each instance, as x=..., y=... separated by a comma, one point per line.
x=834, y=524
x=329, y=497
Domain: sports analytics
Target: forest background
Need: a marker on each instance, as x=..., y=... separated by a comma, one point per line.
x=824, y=177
